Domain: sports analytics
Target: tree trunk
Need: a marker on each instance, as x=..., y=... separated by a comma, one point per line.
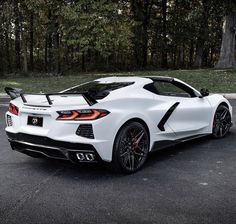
x=17, y=36
x=24, y=47
x=46, y=54
x=141, y=13
x=178, y=57
x=31, y=41
x=7, y=50
x=1, y=56
x=199, y=54
x=211, y=55
x=58, y=61
x=49, y=41
x=227, y=57
x=205, y=55
x=203, y=35
x=164, y=34
x=83, y=62
x=191, y=52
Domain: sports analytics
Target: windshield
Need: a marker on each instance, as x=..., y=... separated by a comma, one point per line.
x=97, y=89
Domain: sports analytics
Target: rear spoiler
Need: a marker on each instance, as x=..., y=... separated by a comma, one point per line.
x=14, y=93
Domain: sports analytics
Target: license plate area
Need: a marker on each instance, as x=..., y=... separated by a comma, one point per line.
x=35, y=121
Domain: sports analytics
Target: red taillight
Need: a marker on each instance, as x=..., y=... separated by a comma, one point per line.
x=13, y=109
x=81, y=115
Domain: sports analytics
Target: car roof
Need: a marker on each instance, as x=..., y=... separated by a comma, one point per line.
x=135, y=79
x=160, y=78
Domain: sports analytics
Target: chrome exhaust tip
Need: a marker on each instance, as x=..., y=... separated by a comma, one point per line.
x=85, y=157
x=80, y=156
x=89, y=157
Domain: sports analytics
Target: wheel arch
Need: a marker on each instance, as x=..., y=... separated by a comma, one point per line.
x=137, y=119
x=134, y=119
x=223, y=104
x=226, y=107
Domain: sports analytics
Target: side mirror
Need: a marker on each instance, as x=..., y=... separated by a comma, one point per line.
x=204, y=92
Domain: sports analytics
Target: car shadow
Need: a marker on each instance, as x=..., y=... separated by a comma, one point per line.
x=181, y=148
x=90, y=171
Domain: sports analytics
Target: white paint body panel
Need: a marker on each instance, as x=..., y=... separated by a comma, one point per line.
x=193, y=116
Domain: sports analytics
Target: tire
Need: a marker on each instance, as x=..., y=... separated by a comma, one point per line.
x=130, y=148
x=222, y=122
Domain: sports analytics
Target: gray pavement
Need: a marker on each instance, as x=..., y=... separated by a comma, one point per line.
x=194, y=182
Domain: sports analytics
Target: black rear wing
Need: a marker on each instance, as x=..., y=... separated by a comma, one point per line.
x=14, y=93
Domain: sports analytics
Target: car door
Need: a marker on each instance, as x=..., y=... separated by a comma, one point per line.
x=189, y=114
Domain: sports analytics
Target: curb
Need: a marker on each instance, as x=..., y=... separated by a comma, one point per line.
x=231, y=96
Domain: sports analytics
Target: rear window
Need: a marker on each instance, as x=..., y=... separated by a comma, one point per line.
x=99, y=90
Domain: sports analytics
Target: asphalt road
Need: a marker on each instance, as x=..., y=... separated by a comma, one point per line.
x=194, y=182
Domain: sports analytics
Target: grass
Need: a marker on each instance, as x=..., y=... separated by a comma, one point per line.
x=217, y=81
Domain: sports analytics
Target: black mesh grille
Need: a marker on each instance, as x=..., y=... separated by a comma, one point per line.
x=85, y=130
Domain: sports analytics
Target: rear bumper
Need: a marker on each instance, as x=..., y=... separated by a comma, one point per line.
x=46, y=147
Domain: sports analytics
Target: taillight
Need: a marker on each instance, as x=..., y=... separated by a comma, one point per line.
x=13, y=109
x=82, y=115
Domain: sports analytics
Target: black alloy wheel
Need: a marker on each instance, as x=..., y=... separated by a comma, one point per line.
x=222, y=122
x=131, y=148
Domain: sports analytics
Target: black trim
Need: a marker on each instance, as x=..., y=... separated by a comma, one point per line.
x=168, y=143
x=23, y=98
x=31, y=105
x=38, y=146
x=160, y=78
x=13, y=93
x=167, y=116
x=35, y=150
x=163, y=144
x=85, y=130
x=150, y=87
x=41, y=140
x=89, y=99
x=51, y=152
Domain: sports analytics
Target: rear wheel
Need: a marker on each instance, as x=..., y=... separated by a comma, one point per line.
x=222, y=122
x=131, y=148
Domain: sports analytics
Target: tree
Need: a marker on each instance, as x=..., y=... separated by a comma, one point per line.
x=227, y=52
x=141, y=10
x=203, y=33
x=17, y=35
x=55, y=36
x=164, y=34
x=32, y=41
x=97, y=32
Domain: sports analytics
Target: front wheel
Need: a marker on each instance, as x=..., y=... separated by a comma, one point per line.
x=222, y=122
x=131, y=148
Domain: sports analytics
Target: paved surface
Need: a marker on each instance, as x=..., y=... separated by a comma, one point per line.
x=193, y=182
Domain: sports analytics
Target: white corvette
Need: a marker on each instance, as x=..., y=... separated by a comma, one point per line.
x=116, y=119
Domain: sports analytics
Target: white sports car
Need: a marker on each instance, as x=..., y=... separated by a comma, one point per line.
x=116, y=119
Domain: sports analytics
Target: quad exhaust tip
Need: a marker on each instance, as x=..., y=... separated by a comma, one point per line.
x=85, y=157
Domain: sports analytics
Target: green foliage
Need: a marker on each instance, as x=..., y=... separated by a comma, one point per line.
x=96, y=25
x=91, y=35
